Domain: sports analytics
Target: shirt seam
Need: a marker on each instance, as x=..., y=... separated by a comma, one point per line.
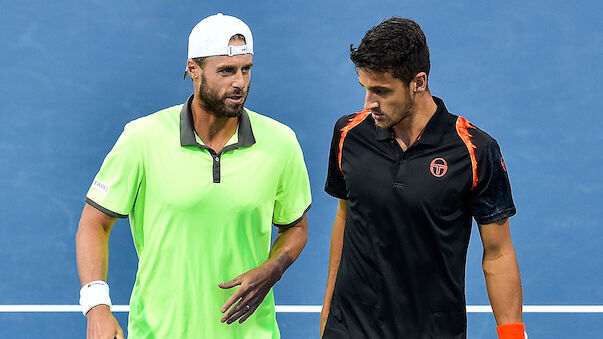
x=497, y=216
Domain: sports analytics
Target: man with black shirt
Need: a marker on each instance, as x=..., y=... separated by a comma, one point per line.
x=410, y=176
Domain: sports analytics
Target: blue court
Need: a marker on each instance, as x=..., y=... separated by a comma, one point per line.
x=73, y=73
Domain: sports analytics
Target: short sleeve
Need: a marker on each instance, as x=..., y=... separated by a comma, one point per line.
x=116, y=184
x=335, y=183
x=492, y=199
x=293, y=196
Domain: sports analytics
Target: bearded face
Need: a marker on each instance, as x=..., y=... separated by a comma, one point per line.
x=229, y=104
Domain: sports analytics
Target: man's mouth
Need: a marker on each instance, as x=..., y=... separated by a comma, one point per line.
x=235, y=98
x=376, y=115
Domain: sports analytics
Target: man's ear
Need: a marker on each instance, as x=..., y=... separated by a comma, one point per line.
x=193, y=69
x=420, y=82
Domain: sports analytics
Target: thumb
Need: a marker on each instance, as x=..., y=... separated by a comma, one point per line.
x=230, y=284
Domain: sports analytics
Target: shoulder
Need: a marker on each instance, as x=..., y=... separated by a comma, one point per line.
x=266, y=127
x=155, y=123
x=348, y=122
x=473, y=135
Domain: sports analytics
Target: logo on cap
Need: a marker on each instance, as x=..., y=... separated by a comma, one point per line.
x=438, y=167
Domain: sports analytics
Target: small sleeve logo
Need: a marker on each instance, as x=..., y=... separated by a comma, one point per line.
x=502, y=162
x=100, y=186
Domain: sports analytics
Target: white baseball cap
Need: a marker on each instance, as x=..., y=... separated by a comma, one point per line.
x=211, y=36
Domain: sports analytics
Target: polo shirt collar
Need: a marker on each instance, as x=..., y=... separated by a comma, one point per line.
x=383, y=134
x=434, y=130
x=187, y=132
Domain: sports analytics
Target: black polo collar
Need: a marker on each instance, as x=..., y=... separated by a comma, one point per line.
x=434, y=130
x=187, y=134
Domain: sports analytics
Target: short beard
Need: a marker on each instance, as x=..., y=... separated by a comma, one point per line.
x=400, y=114
x=391, y=123
x=217, y=105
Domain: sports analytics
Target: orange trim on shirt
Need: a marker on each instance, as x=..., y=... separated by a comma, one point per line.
x=462, y=126
x=355, y=121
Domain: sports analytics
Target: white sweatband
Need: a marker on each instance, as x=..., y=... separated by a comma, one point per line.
x=93, y=294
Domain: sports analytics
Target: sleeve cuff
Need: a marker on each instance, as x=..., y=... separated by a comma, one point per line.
x=104, y=210
x=285, y=226
x=509, y=212
x=336, y=194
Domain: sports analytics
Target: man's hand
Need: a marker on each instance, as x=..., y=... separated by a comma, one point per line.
x=102, y=324
x=255, y=285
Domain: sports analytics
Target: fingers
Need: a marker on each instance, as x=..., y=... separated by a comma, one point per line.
x=236, y=296
x=243, y=296
x=233, y=299
x=241, y=312
x=235, y=313
x=230, y=284
x=244, y=308
x=248, y=313
x=231, y=311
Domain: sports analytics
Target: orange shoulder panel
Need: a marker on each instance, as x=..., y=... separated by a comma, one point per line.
x=355, y=121
x=462, y=129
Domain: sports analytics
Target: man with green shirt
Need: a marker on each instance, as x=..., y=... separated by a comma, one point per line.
x=202, y=183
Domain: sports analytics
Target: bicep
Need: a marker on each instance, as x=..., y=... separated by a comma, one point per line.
x=301, y=225
x=94, y=218
x=339, y=224
x=496, y=236
x=342, y=209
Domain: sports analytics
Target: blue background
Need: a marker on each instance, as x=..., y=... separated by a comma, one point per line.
x=73, y=73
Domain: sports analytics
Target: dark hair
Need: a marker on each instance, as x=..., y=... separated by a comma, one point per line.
x=396, y=45
x=201, y=60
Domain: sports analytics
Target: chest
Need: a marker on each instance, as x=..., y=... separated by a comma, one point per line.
x=379, y=174
x=191, y=177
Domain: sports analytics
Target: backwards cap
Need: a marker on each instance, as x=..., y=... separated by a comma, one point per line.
x=211, y=36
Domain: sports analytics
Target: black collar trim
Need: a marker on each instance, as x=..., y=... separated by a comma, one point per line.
x=434, y=130
x=187, y=134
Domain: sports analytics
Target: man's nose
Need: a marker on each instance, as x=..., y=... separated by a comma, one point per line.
x=238, y=80
x=369, y=101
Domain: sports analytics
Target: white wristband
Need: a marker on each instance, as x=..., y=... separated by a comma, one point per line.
x=93, y=294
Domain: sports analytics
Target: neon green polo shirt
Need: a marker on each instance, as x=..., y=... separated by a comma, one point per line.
x=199, y=218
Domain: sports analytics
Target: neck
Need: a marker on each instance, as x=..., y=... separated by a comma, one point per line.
x=410, y=129
x=214, y=130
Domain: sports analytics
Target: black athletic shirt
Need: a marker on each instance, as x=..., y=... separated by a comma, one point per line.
x=408, y=221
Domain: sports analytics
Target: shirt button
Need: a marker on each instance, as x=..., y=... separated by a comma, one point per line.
x=217, y=158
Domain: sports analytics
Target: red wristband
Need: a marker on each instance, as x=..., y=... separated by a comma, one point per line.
x=511, y=331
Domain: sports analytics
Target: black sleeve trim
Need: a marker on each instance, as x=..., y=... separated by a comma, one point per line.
x=285, y=226
x=104, y=210
x=509, y=212
x=335, y=194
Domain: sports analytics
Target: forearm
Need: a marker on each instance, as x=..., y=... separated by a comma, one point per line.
x=334, y=260
x=504, y=285
x=92, y=245
x=288, y=245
